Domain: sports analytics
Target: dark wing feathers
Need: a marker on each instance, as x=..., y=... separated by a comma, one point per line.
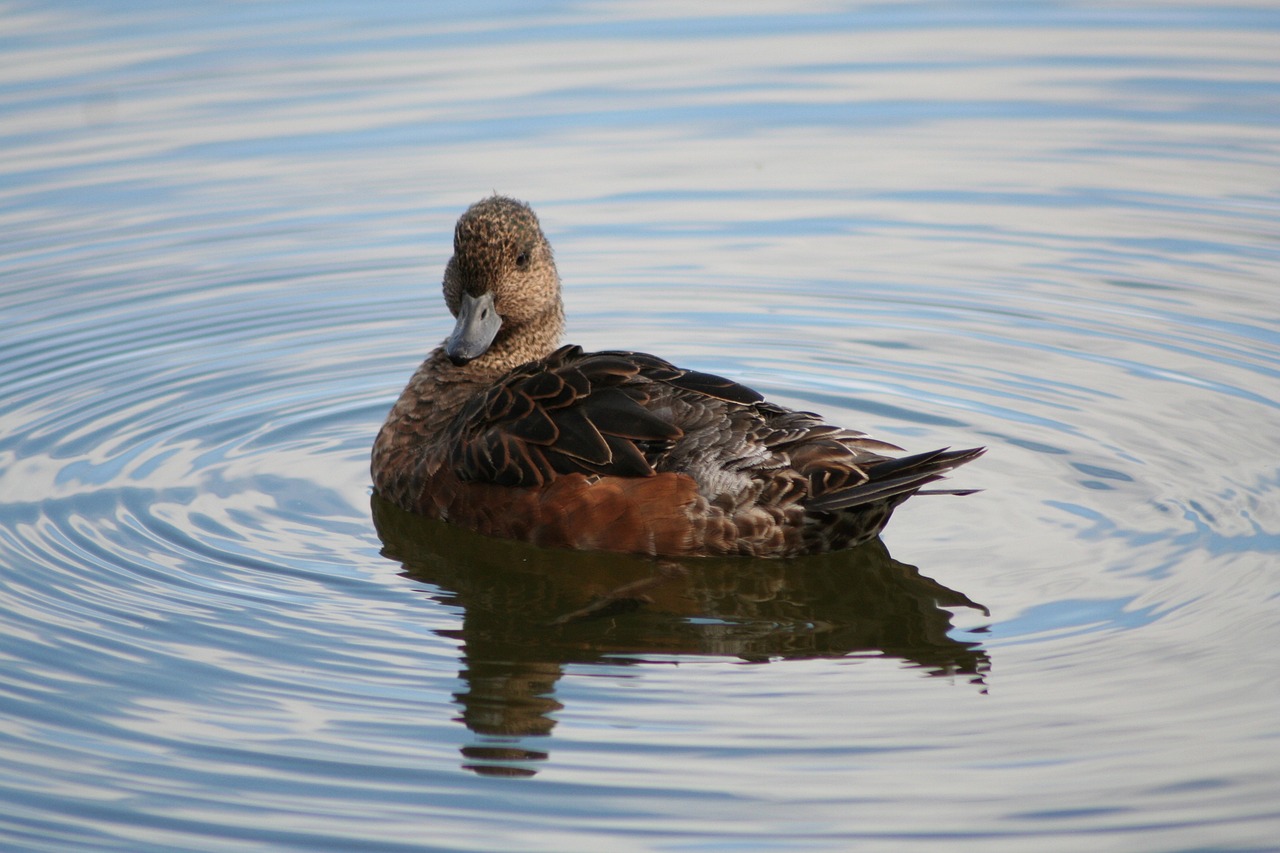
x=627, y=459
x=716, y=386
x=536, y=427
x=572, y=412
x=614, y=411
x=580, y=438
x=591, y=413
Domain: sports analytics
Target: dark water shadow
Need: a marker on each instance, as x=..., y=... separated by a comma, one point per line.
x=529, y=611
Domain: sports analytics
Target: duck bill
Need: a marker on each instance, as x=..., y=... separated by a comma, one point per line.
x=478, y=324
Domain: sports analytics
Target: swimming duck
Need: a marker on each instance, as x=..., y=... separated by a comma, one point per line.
x=502, y=432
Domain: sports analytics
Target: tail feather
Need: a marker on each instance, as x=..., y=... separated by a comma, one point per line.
x=903, y=476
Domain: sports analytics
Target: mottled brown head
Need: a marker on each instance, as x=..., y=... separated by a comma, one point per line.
x=501, y=283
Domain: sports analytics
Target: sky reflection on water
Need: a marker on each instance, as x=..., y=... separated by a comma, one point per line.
x=1049, y=228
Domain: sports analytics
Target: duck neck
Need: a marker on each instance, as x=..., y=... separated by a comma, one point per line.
x=439, y=389
x=510, y=349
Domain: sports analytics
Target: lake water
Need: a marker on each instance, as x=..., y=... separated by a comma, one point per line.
x=1049, y=228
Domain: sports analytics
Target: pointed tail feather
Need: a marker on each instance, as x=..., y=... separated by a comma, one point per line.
x=904, y=476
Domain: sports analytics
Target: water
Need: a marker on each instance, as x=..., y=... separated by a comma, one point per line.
x=1047, y=228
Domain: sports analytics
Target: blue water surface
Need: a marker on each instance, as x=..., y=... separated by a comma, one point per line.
x=1048, y=228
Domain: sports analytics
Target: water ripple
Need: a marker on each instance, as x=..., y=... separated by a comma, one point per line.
x=1049, y=230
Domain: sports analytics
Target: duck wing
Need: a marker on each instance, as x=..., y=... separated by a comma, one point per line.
x=576, y=412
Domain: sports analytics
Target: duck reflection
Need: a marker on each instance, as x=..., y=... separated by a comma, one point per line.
x=530, y=611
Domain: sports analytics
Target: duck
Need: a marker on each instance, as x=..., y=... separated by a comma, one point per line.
x=504, y=431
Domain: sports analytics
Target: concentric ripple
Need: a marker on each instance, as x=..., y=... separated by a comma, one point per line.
x=1052, y=231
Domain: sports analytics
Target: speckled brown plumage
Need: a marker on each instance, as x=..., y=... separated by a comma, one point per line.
x=501, y=432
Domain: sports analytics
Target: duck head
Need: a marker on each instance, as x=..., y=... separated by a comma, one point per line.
x=501, y=284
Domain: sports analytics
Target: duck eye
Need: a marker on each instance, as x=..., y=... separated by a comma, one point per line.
x=522, y=259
